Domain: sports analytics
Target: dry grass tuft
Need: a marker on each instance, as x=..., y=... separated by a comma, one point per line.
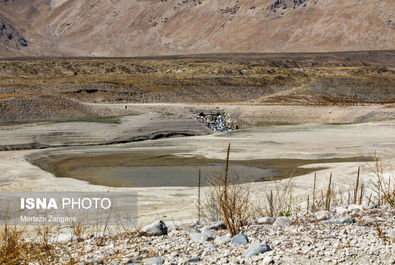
x=12, y=249
x=278, y=201
x=231, y=198
x=383, y=186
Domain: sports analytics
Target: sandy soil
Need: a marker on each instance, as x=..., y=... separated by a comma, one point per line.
x=252, y=113
x=305, y=140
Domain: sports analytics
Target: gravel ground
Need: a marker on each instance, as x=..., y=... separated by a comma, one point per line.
x=342, y=236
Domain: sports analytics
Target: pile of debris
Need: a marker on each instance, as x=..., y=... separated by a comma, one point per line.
x=219, y=122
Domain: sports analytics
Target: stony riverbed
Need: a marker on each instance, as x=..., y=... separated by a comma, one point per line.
x=342, y=236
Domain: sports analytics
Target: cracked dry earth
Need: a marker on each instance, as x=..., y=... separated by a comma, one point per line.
x=353, y=235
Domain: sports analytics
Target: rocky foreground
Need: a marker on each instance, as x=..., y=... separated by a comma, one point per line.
x=353, y=235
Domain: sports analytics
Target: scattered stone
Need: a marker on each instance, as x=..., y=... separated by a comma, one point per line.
x=210, y=246
x=267, y=260
x=154, y=261
x=282, y=221
x=266, y=220
x=257, y=249
x=203, y=237
x=157, y=228
x=322, y=215
x=341, y=211
x=222, y=240
x=192, y=260
x=194, y=223
x=355, y=208
x=63, y=238
x=307, y=243
x=340, y=220
x=239, y=239
x=216, y=226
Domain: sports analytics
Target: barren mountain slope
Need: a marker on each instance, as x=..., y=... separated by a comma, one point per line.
x=153, y=27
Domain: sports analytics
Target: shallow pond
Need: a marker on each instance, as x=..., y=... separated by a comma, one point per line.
x=158, y=169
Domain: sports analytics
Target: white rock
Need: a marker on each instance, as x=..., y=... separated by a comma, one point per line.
x=222, y=240
x=63, y=238
x=216, y=226
x=341, y=211
x=322, y=215
x=257, y=249
x=157, y=228
x=266, y=220
x=267, y=260
x=194, y=223
x=355, y=207
x=154, y=261
x=202, y=237
x=340, y=220
x=239, y=239
x=282, y=221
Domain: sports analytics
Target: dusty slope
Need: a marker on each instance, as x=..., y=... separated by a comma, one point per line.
x=49, y=89
x=132, y=28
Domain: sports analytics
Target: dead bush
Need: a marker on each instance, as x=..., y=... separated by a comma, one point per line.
x=279, y=200
x=382, y=185
x=229, y=198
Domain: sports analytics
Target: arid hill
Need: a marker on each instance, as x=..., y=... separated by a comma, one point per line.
x=157, y=27
x=48, y=88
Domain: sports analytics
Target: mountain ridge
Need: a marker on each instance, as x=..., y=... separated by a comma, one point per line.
x=170, y=27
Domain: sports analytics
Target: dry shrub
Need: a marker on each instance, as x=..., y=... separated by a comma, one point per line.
x=382, y=186
x=12, y=249
x=210, y=211
x=230, y=198
x=332, y=197
x=278, y=201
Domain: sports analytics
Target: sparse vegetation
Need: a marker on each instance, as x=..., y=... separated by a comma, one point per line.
x=382, y=185
x=232, y=198
x=11, y=246
x=227, y=197
x=278, y=201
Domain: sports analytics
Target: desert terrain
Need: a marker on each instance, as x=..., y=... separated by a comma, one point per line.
x=64, y=121
x=252, y=132
x=143, y=28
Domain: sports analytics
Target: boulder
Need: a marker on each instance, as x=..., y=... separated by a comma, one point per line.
x=266, y=220
x=282, y=221
x=239, y=239
x=256, y=250
x=157, y=228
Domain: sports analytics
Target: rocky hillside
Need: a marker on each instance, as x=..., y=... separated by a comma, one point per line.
x=135, y=28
